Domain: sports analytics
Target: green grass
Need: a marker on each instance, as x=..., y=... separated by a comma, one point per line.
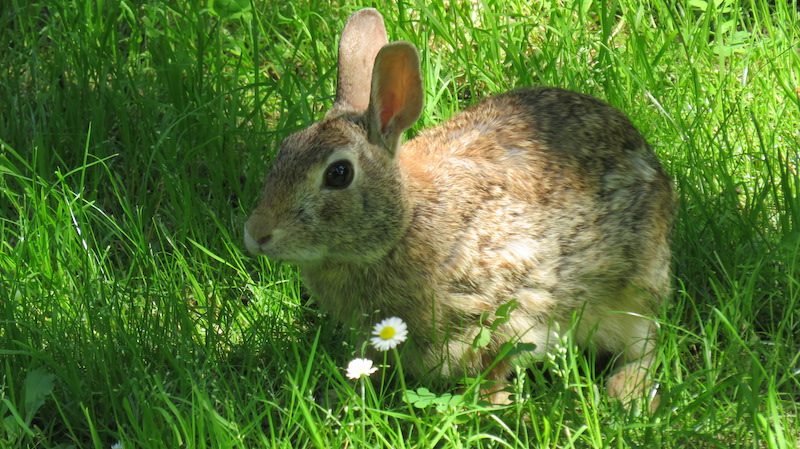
x=134, y=138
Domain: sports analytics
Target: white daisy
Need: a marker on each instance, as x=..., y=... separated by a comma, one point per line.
x=389, y=333
x=358, y=368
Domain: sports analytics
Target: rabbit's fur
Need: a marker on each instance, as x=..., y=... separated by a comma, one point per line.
x=540, y=195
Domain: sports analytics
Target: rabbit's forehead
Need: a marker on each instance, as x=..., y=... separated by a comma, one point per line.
x=316, y=144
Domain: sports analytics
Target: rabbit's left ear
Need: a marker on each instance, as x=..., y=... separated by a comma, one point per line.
x=396, y=96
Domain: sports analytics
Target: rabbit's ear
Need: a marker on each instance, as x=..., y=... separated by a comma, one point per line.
x=363, y=36
x=396, y=97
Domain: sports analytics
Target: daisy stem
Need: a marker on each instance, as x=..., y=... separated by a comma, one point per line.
x=411, y=410
x=399, y=368
x=362, y=383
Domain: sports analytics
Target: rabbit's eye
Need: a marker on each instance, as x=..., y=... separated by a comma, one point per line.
x=339, y=174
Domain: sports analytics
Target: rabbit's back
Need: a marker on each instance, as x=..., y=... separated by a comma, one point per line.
x=568, y=136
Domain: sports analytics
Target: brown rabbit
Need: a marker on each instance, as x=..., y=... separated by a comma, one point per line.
x=540, y=195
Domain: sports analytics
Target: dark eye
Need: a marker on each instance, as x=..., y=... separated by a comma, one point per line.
x=339, y=174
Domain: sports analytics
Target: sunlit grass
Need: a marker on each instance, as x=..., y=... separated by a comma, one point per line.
x=134, y=139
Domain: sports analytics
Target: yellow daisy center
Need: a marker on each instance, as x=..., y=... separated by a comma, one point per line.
x=387, y=333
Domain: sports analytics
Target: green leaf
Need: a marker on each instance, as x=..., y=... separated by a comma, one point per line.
x=518, y=348
x=503, y=314
x=448, y=401
x=38, y=385
x=231, y=9
x=699, y=4
x=421, y=398
x=506, y=309
x=11, y=427
x=483, y=338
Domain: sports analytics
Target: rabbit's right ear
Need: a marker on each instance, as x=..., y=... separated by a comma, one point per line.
x=363, y=36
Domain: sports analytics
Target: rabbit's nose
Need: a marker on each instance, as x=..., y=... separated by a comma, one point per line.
x=255, y=241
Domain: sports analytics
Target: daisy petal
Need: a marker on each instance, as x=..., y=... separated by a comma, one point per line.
x=358, y=368
x=389, y=333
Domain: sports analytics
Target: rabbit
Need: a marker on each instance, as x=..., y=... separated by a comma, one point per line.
x=542, y=196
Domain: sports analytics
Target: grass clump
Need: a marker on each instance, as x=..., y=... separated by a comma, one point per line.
x=134, y=138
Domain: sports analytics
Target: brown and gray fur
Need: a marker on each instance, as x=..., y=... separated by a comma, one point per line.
x=539, y=195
